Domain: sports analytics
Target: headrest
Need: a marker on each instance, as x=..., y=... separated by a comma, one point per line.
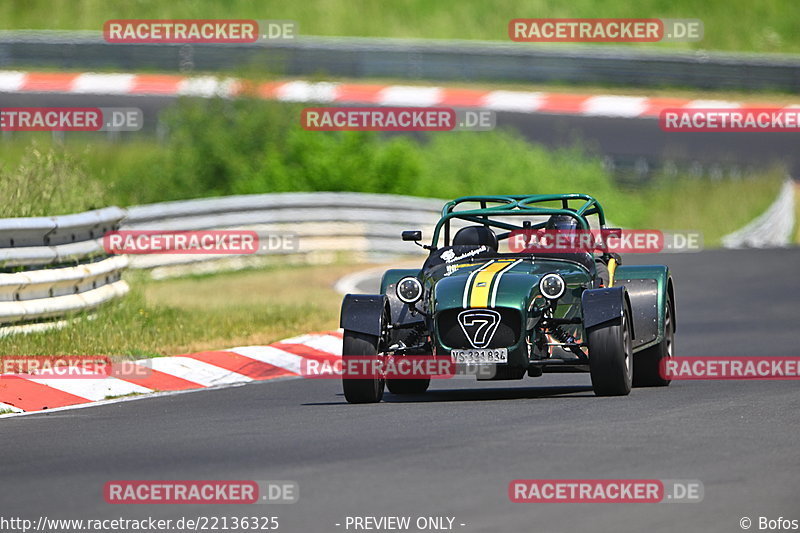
x=476, y=236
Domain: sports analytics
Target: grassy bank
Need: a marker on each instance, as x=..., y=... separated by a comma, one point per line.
x=187, y=315
x=40, y=181
x=766, y=26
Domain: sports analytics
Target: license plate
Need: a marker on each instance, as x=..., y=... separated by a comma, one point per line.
x=480, y=356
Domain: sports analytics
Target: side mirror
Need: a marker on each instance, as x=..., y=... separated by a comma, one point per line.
x=412, y=235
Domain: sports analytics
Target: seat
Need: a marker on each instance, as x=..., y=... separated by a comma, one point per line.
x=476, y=236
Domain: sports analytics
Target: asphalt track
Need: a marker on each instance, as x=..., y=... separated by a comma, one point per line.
x=454, y=451
x=627, y=142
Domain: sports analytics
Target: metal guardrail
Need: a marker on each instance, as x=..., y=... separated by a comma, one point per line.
x=52, y=240
x=52, y=266
x=322, y=223
x=773, y=229
x=414, y=59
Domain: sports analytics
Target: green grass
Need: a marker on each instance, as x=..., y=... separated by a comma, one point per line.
x=714, y=208
x=118, y=396
x=220, y=148
x=765, y=26
x=43, y=182
x=187, y=315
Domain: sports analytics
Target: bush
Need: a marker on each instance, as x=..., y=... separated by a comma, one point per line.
x=223, y=147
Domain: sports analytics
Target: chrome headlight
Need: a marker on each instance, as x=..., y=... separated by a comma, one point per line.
x=552, y=286
x=409, y=290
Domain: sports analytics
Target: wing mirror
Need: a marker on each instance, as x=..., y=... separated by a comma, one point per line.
x=415, y=236
x=412, y=235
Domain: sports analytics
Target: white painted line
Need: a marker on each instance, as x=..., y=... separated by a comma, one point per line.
x=207, y=86
x=514, y=101
x=273, y=356
x=402, y=95
x=131, y=399
x=324, y=343
x=303, y=91
x=11, y=81
x=92, y=388
x=712, y=104
x=615, y=106
x=194, y=370
x=91, y=83
x=210, y=377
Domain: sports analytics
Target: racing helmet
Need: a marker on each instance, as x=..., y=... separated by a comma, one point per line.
x=562, y=223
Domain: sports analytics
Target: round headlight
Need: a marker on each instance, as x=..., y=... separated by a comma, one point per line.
x=409, y=290
x=552, y=286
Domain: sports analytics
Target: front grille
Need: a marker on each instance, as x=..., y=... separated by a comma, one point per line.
x=452, y=336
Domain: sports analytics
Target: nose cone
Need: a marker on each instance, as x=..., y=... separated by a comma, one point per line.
x=505, y=282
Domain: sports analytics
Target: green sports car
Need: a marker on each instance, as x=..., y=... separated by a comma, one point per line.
x=505, y=311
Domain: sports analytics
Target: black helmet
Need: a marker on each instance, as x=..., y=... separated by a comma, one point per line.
x=562, y=222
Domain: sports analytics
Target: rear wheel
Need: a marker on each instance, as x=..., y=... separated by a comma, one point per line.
x=408, y=386
x=611, y=357
x=368, y=390
x=649, y=361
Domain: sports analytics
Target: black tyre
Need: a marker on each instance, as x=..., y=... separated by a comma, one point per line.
x=649, y=361
x=362, y=390
x=611, y=357
x=408, y=386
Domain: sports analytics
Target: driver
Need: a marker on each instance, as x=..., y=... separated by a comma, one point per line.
x=568, y=223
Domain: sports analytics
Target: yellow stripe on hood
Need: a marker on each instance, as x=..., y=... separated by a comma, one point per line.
x=479, y=297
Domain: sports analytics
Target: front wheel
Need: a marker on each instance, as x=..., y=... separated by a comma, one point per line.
x=611, y=357
x=367, y=390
